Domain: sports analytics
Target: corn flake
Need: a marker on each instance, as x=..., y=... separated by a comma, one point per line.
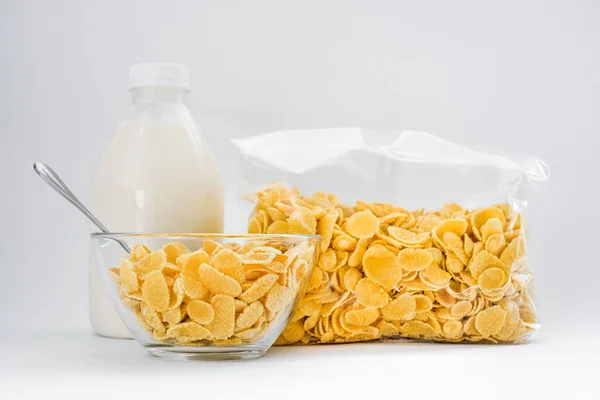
x=260, y=255
x=490, y=321
x=370, y=294
x=302, y=221
x=229, y=263
x=150, y=262
x=249, y=316
x=362, y=317
x=452, y=329
x=187, y=332
x=492, y=226
x=192, y=284
x=328, y=260
x=200, y=312
x=223, y=323
x=259, y=288
x=325, y=228
x=461, y=308
x=356, y=258
x=174, y=316
x=139, y=251
x=418, y=329
x=173, y=250
x=423, y=303
x=362, y=224
x=129, y=280
x=383, y=267
x=407, y=237
x=492, y=279
x=351, y=278
x=151, y=317
x=414, y=259
x=435, y=276
x=217, y=282
x=277, y=298
x=403, y=307
x=482, y=261
x=344, y=242
x=155, y=291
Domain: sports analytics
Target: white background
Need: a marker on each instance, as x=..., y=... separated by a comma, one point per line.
x=515, y=76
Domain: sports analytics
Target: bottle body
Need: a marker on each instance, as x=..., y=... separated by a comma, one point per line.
x=157, y=174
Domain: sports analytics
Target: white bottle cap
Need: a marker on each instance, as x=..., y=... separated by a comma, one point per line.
x=159, y=74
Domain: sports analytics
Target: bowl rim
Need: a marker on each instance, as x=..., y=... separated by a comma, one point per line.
x=117, y=235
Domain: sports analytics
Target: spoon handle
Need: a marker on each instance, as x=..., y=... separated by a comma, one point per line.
x=54, y=181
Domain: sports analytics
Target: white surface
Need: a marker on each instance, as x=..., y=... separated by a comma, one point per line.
x=516, y=76
x=71, y=363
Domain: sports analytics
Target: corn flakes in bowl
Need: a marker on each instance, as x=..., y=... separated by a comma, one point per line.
x=205, y=296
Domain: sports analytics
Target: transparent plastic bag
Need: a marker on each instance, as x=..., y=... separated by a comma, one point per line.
x=421, y=238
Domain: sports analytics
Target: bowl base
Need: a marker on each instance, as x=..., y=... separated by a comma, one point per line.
x=195, y=354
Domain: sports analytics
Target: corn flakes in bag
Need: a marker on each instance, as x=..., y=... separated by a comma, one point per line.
x=421, y=238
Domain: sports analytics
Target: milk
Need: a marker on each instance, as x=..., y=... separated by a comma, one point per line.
x=157, y=174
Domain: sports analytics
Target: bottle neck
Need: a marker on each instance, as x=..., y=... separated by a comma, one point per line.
x=157, y=94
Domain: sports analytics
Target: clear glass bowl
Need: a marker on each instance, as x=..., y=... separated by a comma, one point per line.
x=205, y=296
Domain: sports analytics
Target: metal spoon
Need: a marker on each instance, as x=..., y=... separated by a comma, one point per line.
x=54, y=181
